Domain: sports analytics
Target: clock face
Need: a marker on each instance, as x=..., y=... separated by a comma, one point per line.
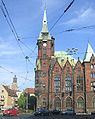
x=44, y=44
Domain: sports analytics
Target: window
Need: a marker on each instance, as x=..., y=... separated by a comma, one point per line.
x=57, y=83
x=93, y=86
x=2, y=91
x=68, y=83
x=79, y=83
x=44, y=53
x=80, y=102
x=91, y=66
x=68, y=102
x=94, y=66
x=44, y=102
x=92, y=75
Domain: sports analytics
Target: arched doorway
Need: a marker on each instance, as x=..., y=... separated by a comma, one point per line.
x=57, y=103
x=80, y=103
x=68, y=102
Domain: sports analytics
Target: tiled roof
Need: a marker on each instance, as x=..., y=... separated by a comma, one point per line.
x=11, y=93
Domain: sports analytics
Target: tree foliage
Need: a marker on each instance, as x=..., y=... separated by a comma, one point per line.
x=21, y=101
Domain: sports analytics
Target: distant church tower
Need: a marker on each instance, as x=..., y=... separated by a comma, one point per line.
x=14, y=83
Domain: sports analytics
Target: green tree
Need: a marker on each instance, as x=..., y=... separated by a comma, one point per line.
x=21, y=101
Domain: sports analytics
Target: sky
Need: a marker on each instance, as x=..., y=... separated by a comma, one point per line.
x=27, y=16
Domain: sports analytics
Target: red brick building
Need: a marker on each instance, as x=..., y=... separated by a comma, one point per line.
x=61, y=81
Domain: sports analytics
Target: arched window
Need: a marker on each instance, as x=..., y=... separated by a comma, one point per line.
x=79, y=83
x=68, y=83
x=68, y=102
x=57, y=103
x=94, y=102
x=80, y=102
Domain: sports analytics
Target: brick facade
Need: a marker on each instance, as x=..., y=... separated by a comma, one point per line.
x=60, y=81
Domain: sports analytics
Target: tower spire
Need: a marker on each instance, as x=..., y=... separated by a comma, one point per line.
x=45, y=25
x=88, y=53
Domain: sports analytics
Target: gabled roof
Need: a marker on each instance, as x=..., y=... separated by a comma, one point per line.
x=89, y=52
x=11, y=93
x=62, y=58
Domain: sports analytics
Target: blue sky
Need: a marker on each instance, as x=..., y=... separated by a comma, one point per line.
x=27, y=18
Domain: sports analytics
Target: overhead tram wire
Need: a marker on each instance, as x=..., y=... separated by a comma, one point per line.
x=12, y=30
x=62, y=14
x=11, y=25
x=14, y=73
x=77, y=29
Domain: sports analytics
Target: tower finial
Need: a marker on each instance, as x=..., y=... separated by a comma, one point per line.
x=45, y=17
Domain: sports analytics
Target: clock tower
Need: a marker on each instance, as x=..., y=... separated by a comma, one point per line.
x=45, y=45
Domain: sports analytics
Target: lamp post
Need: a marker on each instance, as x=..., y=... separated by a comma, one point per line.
x=72, y=51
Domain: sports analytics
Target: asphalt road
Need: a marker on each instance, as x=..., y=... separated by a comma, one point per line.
x=27, y=116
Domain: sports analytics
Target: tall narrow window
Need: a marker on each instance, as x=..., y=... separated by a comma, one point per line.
x=57, y=84
x=68, y=83
x=79, y=83
x=44, y=53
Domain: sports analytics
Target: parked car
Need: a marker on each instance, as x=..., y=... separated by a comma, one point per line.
x=55, y=111
x=69, y=111
x=42, y=111
x=93, y=113
x=10, y=111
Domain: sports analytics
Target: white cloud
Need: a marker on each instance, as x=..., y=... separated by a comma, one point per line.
x=83, y=17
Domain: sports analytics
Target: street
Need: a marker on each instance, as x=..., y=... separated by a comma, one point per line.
x=28, y=116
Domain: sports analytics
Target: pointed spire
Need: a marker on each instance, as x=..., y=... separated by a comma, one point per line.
x=45, y=17
x=45, y=26
x=89, y=52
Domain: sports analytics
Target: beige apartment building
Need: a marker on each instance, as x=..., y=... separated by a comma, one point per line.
x=8, y=97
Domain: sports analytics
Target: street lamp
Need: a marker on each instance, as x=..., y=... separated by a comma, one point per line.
x=72, y=51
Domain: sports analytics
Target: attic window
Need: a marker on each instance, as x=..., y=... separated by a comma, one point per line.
x=2, y=91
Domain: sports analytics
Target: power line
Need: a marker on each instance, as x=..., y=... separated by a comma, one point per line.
x=77, y=29
x=62, y=14
x=12, y=27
